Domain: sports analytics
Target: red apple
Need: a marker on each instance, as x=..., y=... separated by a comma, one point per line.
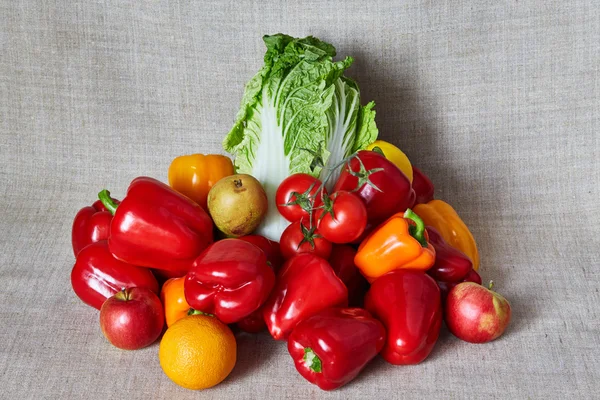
x=475, y=313
x=132, y=318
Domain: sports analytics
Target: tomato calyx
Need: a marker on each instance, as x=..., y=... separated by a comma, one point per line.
x=309, y=236
x=327, y=207
x=363, y=175
x=304, y=200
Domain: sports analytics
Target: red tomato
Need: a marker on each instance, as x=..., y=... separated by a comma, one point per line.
x=297, y=195
x=343, y=218
x=342, y=262
x=298, y=238
x=381, y=185
x=269, y=247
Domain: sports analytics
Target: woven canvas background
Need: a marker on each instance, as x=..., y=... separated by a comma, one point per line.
x=497, y=101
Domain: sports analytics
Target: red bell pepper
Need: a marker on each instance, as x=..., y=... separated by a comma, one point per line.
x=330, y=348
x=254, y=322
x=342, y=262
x=423, y=187
x=384, y=189
x=91, y=224
x=451, y=265
x=305, y=285
x=472, y=276
x=446, y=287
x=231, y=279
x=271, y=249
x=408, y=303
x=156, y=227
x=97, y=275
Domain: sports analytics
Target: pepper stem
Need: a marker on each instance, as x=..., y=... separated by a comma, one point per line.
x=312, y=360
x=378, y=150
x=418, y=231
x=191, y=311
x=491, y=285
x=108, y=202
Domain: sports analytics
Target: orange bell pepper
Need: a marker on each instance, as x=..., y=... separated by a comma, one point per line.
x=448, y=223
x=173, y=299
x=401, y=242
x=194, y=175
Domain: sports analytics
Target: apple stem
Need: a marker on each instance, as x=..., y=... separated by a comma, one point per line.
x=491, y=285
x=123, y=294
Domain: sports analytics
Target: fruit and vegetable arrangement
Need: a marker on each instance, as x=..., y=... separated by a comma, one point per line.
x=317, y=232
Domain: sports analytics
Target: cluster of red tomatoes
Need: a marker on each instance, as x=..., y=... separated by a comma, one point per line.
x=370, y=188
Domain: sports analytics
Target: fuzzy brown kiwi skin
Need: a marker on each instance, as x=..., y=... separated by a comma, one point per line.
x=237, y=204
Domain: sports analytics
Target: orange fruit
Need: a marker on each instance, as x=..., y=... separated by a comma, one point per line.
x=197, y=352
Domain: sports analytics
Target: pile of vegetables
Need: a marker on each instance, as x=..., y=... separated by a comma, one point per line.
x=317, y=232
x=299, y=114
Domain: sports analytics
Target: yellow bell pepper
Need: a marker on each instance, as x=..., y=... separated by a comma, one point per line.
x=448, y=223
x=395, y=155
x=194, y=175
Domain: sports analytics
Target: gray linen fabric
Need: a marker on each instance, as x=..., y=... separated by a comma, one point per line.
x=498, y=101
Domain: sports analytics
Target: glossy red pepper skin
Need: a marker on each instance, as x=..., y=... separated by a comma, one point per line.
x=422, y=186
x=97, y=275
x=254, y=322
x=472, y=276
x=91, y=224
x=271, y=249
x=395, y=193
x=408, y=303
x=156, y=227
x=305, y=285
x=451, y=265
x=344, y=341
x=342, y=262
x=446, y=287
x=230, y=279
